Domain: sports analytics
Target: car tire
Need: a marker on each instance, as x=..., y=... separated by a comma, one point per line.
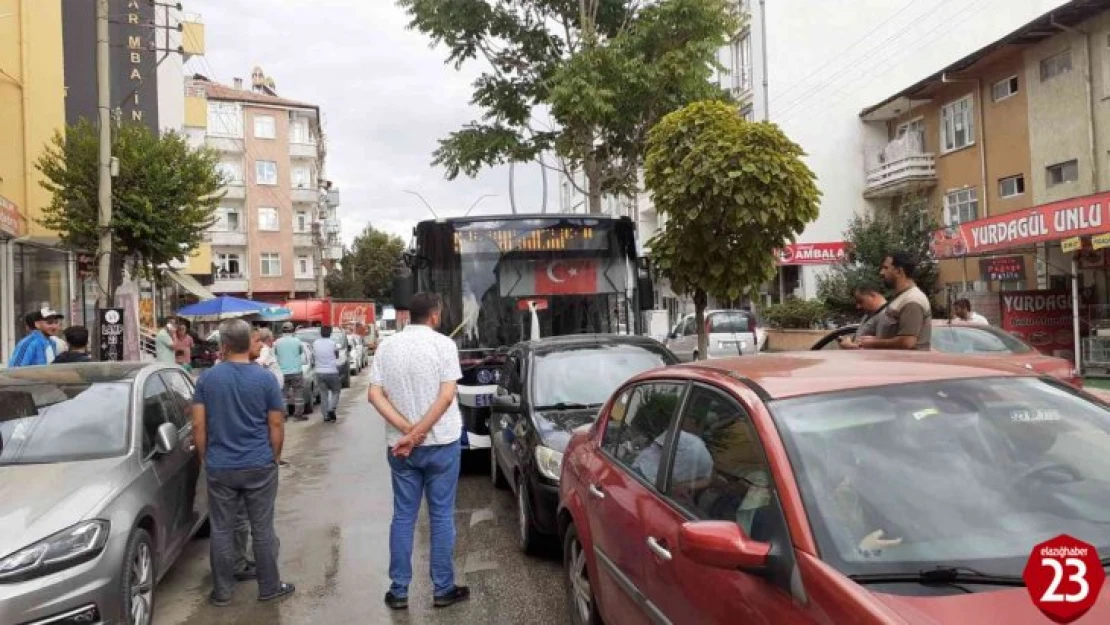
x=527, y=537
x=581, y=601
x=137, y=580
x=497, y=476
x=346, y=381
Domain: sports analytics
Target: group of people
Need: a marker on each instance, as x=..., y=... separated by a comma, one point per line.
x=173, y=345
x=43, y=346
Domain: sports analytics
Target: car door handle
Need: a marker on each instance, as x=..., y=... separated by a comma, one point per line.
x=658, y=549
x=596, y=492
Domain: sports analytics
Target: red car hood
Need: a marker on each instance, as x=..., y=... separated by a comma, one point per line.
x=1011, y=606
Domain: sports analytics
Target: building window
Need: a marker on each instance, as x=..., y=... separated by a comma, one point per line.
x=1061, y=173
x=1055, y=65
x=271, y=265
x=302, y=223
x=268, y=220
x=232, y=171
x=265, y=172
x=1012, y=186
x=298, y=130
x=264, y=127
x=229, y=266
x=957, y=125
x=1004, y=88
x=304, y=267
x=225, y=119
x=961, y=206
x=228, y=220
x=748, y=112
x=302, y=177
x=741, y=64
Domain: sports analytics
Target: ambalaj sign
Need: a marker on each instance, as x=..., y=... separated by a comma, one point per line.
x=812, y=253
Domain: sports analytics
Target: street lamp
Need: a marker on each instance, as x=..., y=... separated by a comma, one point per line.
x=424, y=201
x=476, y=202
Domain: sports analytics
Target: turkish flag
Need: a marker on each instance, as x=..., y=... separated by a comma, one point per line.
x=566, y=277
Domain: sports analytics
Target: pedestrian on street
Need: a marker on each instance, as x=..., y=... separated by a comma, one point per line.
x=326, y=352
x=239, y=431
x=266, y=356
x=291, y=356
x=961, y=311
x=38, y=347
x=907, y=320
x=412, y=385
x=163, y=343
x=871, y=303
x=77, y=338
x=183, y=345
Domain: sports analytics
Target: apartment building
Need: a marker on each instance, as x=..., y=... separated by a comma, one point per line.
x=277, y=229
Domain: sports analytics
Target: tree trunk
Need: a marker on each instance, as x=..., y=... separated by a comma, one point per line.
x=593, y=183
x=700, y=301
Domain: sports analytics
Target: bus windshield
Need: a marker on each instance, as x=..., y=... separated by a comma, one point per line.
x=577, y=272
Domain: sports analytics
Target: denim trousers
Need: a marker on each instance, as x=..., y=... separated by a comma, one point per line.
x=329, y=397
x=431, y=471
x=229, y=492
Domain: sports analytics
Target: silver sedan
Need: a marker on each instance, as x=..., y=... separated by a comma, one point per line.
x=101, y=490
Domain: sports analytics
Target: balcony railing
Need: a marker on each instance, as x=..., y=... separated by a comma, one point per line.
x=900, y=167
x=228, y=238
x=302, y=150
x=235, y=190
x=225, y=144
x=229, y=283
x=306, y=195
x=303, y=239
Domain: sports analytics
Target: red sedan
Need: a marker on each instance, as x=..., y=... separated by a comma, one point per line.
x=829, y=488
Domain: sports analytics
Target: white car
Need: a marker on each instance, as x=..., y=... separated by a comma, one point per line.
x=358, y=352
x=731, y=333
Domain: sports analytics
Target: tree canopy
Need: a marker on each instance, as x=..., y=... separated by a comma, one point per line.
x=366, y=270
x=605, y=70
x=163, y=200
x=731, y=192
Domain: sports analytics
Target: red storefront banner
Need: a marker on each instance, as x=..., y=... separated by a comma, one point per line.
x=1050, y=222
x=1041, y=318
x=812, y=253
x=11, y=221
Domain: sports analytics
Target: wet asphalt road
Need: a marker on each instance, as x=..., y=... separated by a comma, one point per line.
x=333, y=518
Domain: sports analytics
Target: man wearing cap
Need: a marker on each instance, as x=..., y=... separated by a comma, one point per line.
x=291, y=354
x=37, y=348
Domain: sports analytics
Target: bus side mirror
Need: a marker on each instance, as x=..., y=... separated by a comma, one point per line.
x=404, y=286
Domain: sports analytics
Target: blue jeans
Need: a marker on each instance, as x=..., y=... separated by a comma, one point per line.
x=432, y=470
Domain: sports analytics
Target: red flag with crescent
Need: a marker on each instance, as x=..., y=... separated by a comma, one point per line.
x=566, y=277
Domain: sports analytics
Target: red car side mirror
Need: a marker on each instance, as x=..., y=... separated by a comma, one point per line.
x=722, y=545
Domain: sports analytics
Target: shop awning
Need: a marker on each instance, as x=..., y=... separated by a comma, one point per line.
x=190, y=284
x=1076, y=217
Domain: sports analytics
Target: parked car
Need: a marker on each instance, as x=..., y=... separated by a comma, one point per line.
x=358, y=352
x=983, y=340
x=99, y=481
x=731, y=333
x=830, y=487
x=547, y=389
x=309, y=335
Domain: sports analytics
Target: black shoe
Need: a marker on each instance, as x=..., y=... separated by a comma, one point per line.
x=460, y=593
x=219, y=603
x=331, y=416
x=393, y=602
x=284, y=590
x=247, y=574
x=300, y=418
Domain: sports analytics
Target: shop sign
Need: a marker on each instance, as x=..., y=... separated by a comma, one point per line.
x=1002, y=268
x=812, y=253
x=1092, y=259
x=1100, y=241
x=1076, y=217
x=1041, y=318
x=111, y=334
x=1071, y=245
x=11, y=222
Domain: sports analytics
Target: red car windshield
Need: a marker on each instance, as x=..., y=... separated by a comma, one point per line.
x=896, y=479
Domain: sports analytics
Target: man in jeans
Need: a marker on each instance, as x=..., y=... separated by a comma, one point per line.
x=239, y=429
x=290, y=353
x=412, y=385
x=326, y=353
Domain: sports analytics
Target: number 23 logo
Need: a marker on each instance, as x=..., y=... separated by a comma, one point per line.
x=1079, y=576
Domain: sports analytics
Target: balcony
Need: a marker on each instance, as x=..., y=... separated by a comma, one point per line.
x=228, y=238
x=332, y=226
x=302, y=150
x=231, y=145
x=305, y=195
x=333, y=252
x=230, y=283
x=902, y=166
x=303, y=239
x=333, y=198
x=235, y=191
x=305, y=284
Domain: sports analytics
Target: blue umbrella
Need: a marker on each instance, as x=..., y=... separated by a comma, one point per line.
x=223, y=306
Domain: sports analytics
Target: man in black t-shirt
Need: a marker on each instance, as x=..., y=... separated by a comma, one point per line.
x=77, y=337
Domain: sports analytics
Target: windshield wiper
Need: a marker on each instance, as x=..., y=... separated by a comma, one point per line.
x=568, y=405
x=940, y=575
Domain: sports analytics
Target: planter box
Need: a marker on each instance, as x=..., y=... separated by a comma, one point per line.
x=793, y=340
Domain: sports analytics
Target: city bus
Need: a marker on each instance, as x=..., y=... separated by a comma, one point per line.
x=506, y=279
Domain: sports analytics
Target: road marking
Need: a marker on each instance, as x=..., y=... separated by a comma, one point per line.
x=479, y=561
x=481, y=515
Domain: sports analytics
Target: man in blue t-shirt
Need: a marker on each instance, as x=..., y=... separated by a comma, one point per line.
x=239, y=429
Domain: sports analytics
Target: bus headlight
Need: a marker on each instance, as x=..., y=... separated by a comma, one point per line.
x=549, y=462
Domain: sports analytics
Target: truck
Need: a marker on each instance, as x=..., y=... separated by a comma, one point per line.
x=354, y=316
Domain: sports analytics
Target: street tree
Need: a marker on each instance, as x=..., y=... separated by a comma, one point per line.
x=604, y=71
x=366, y=270
x=731, y=192
x=872, y=237
x=163, y=200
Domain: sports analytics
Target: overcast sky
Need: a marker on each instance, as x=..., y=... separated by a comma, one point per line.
x=385, y=97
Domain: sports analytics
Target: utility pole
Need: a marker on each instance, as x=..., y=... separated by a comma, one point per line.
x=103, y=105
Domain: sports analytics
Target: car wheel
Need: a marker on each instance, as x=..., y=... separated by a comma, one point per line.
x=495, y=473
x=527, y=536
x=346, y=382
x=137, y=587
x=580, y=594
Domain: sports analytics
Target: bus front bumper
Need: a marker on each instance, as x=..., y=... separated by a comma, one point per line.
x=474, y=403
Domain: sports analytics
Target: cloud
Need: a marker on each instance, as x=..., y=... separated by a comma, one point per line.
x=386, y=98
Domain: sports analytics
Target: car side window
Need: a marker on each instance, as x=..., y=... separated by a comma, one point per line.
x=688, y=327
x=156, y=401
x=181, y=392
x=511, y=374
x=643, y=434
x=719, y=472
x=611, y=436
